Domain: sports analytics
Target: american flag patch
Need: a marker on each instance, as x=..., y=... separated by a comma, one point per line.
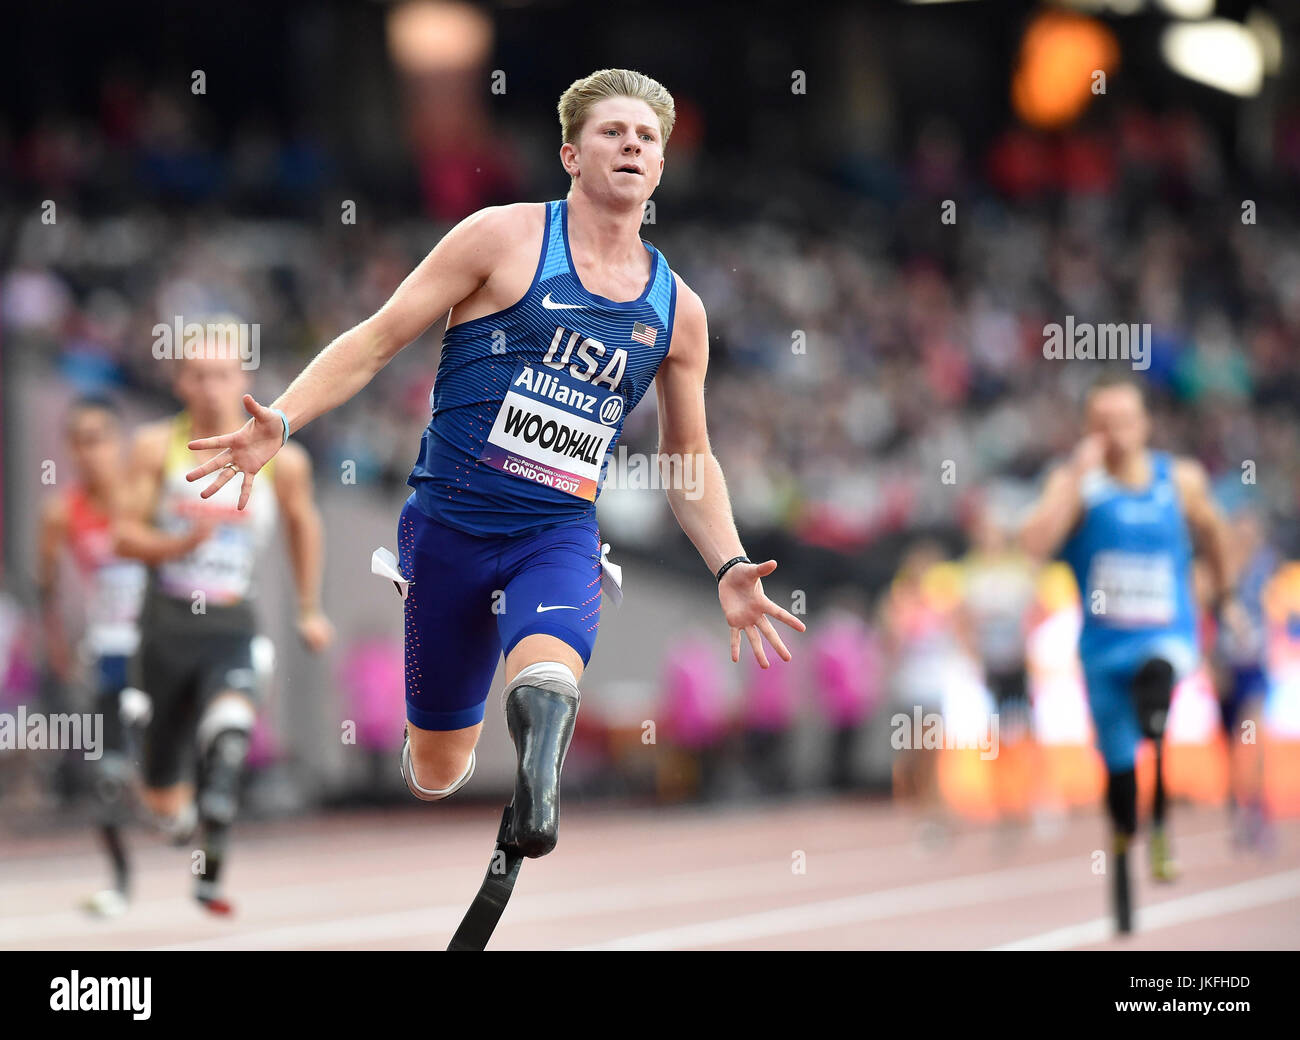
x=644, y=334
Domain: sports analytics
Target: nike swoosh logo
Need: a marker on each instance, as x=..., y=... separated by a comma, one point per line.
x=552, y=306
x=542, y=610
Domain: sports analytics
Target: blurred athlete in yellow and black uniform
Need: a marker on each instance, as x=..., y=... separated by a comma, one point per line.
x=999, y=584
x=196, y=658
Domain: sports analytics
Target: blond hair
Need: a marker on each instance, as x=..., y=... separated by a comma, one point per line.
x=576, y=102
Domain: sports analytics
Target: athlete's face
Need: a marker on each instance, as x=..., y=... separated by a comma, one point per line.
x=619, y=153
x=211, y=388
x=95, y=443
x=1119, y=416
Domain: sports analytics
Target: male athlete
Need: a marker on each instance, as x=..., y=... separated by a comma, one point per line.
x=1243, y=673
x=79, y=521
x=197, y=660
x=1128, y=520
x=999, y=590
x=560, y=319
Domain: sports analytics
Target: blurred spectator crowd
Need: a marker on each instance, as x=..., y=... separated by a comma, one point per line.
x=876, y=366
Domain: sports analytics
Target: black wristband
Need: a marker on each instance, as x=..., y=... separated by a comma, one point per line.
x=731, y=563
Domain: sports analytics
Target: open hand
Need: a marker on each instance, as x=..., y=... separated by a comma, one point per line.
x=747, y=609
x=246, y=451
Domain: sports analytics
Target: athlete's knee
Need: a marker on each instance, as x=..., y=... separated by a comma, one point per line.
x=224, y=734
x=434, y=769
x=1153, y=689
x=542, y=649
x=1121, y=800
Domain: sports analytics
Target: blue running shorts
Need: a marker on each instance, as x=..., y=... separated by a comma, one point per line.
x=1109, y=681
x=472, y=598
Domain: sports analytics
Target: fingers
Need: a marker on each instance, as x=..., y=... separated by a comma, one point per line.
x=223, y=478
x=224, y=440
x=211, y=466
x=245, y=489
x=757, y=644
x=256, y=410
x=782, y=614
x=765, y=626
x=735, y=646
x=764, y=569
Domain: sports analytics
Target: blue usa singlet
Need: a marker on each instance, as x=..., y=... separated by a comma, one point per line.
x=529, y=402
x=1132, y=557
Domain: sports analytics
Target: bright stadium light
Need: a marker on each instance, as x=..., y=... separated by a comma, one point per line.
x=1187, y=8
x=432, y=36
x=1218, y=53
x=1061, y=54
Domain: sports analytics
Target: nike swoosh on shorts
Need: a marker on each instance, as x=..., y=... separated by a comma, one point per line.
x=541, y=609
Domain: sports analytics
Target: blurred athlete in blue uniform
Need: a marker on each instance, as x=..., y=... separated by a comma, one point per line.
x=1243, y=673
x=561, y=318
x=1128, y=520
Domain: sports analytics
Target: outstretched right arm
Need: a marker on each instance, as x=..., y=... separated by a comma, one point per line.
x=1059, y=507
x=457, y=266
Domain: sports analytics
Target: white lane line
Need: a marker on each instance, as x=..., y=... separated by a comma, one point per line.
x=82, y=868
x=715, y=883
x=284, y=900
x=1274, y=888
x=765, y=877
x=998, y=885
x=947, y=894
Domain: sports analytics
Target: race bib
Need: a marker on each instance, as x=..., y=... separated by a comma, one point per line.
x=220, y=567
x=553, y=430
x=1131, y=589
x=119, y=591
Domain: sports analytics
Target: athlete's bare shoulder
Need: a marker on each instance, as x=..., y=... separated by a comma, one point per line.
x=690, y=325
x=1189, y=469
x=1190, y=478
x=686, y=296
x=499, y=246
x=498, y=230
x=149, y=443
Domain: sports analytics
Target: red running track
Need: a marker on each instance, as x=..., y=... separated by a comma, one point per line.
x=824, y=874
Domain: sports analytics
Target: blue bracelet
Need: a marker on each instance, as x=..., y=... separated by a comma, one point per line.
x=284, y=419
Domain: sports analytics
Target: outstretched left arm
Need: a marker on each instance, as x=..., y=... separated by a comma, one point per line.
x=697, y=491
x=306, y=536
